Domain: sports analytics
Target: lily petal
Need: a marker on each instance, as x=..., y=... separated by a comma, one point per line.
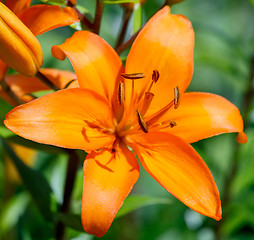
x=22, y=85
x=95, y=62
x=108, y=178
x=18, y=6
x=164, y=44
x=179, y=169
x=42, y=18
x=70, y=118
x=202, y=115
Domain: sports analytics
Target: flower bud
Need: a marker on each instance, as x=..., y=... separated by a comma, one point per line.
x=19, y=48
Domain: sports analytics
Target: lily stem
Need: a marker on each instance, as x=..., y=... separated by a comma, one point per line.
x=126, y=19
x=81, y=16
x=73, y=164
x=11, y=94
x=98, y=16
x=46, y=81
x=126, y=44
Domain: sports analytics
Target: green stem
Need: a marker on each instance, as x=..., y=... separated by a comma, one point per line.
x=81, y=16
x=127, y=15
x=46, y=81
x=98, y=16
x=73, y=164
x=11, y=94
x=126, y=44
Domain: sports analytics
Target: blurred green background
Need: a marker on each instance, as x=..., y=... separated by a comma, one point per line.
x=224, y=53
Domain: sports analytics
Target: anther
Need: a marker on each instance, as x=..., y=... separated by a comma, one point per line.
x=142, y=123
x=133, y=75
x=121, y=92
x=172, y=123
x=155, y=76
x=176, y=97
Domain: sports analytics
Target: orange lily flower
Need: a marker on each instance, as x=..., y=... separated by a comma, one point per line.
x=19, y=48
x=144, y=112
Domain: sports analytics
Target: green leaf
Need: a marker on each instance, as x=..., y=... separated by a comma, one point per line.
x=118, y=1
x=132, y=203
x=5, y=132
x=71, y=220
x=27, y=143
x=5, y=108
x=35, y=183
x=137, y=18
x=12, y=211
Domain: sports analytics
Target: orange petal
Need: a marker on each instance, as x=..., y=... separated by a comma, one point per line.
x=202, y=115
x=70, y=118
x=108, y=178
x=22, y=85
x=3, y=69
x=42, y=18
x=179, y=169
x=95, y=62
x=164, y=44
x=17, y=6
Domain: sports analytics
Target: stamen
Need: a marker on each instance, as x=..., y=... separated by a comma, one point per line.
x=133, y=75
x=121, y=92
x=142, y=123
x=176, y=97
x=163, y=125
x=155, y=76
x=146, y=102
x=99, y=127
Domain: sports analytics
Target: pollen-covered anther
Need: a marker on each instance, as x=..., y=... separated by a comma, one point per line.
x=142, y=122
x=176, y=97
x=172, y=123
x=133, y=76
x=121, y=92
x=155, y=76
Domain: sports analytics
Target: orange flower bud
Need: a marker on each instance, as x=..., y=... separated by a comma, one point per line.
x=19, y=48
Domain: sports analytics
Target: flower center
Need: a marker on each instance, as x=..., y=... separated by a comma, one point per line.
x=133, y=115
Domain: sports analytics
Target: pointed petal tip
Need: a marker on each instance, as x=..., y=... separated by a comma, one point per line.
x=217, y=217
x=58, y=53
x=95, y=230
x=242, y=137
